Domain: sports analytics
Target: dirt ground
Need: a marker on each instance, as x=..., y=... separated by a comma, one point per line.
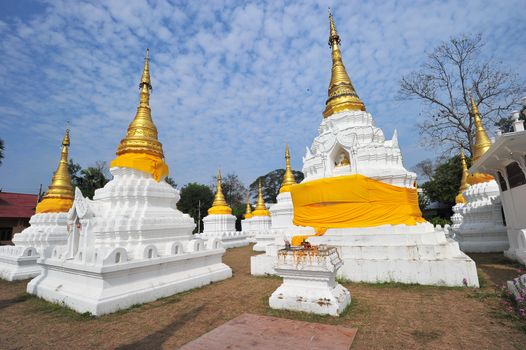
x=389, y=316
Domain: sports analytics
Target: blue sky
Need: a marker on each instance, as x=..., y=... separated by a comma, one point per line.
x=232, y=81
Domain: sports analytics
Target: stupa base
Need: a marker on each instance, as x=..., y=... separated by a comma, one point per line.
x=105, y=289
x=228, y=239
x=405, y=254
x=483, y=241
x=18, y=263
x=263, y=240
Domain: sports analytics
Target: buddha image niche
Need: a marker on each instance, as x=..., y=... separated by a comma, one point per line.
x=342, y=160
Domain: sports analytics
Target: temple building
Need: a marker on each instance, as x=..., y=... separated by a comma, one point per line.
x=220, y=223
x=358, y=197
x=130, y=244
x=505, y=160
x=478, y=222
x=48, y=227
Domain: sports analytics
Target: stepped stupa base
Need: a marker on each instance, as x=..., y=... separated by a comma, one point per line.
x=18, y=263
x=105, y=288
x=229, y=240
x=417, y=254
x=484, y=241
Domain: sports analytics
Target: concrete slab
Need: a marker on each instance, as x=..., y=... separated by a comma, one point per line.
x=250, y=331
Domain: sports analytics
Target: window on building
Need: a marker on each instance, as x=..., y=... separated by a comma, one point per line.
x=502, y=182
x=515, y=175
x=6, y=233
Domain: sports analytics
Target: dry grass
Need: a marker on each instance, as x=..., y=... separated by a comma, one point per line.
x=388, y=316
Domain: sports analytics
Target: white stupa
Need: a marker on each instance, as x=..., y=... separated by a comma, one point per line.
x=221, y=224
x=360, y=198
x=259, y=224
x=482, y=228
x=48, y=227
x=130, y=244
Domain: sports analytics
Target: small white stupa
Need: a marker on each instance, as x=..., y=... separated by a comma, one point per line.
x=360, y=198
x=282, y=228
x=460, y=201
x=130, y=244
x=246, y=226
x=260, y=223
x=48, y=227
x=220, y=223
x=482, y=227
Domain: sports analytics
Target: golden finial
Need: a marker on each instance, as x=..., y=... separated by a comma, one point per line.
x=261, y=208
x=248, y=211
x=59, y=196
x=288, y=178
x=464, y=181
x=142, y=133
x=342, y=96
x=219, y=206
x=482, y=141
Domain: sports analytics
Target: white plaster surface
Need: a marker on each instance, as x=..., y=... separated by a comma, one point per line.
x=309, y=283
x=45, y=230
x=223, y=228
x=129, y=245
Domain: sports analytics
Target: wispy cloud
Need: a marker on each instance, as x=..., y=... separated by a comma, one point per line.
x=232, y=81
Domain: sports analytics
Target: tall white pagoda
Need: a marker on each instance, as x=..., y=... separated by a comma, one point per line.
x=130, y=244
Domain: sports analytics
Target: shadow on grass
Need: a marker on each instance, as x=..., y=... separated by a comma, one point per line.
x=18, y=299
x=157, y=339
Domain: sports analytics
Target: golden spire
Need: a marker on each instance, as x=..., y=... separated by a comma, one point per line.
x=248, y=212
x=142, y=133
x=59, y=196
x=464, y=181
x=482, y=141
x=261, y=208
x=288, y=178
x=342, y=96
x=219, y=206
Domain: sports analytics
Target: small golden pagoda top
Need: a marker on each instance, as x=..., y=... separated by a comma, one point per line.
x=142, y=132
x=261, y=208
x=288, y=177
x=248, y=211
x=219, y=206
x=59, y=196
x=464, y=181
x=482, y=141
x=342, y=95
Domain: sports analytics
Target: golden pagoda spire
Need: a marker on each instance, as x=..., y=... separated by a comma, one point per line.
x=342, y=96
x=140, y=149
x=142, y=133
x=482, y=141
x=288, y=178
x=248, y=211
x=59, y=196
x=219, y=206
x=464, y=181
x=261, y=208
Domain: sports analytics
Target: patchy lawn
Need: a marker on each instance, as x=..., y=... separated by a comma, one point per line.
x=388, y=316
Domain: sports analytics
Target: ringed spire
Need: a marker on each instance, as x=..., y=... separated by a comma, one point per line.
x=464, y=181
x=219, y=206
x=288, y=177
x=248, y=210
x=482, y=140
x=261, y=208
x=59, y=197
x=140, y=149
x=341, y=94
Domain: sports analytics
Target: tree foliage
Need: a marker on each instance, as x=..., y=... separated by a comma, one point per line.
x=445, y=183
x=170, y=181
x=195, y=200
x=88, y=179
x=271, y=183
x=443, y=83
x=425, y=169
x=1, y=150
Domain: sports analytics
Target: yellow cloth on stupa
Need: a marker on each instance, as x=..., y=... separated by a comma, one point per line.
x=143, y=162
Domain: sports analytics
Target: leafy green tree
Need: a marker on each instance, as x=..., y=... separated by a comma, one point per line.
x=1, y=150
x=171, y=181
x=195, y=200
x=271, y=183
x=89, y=179
x=445, y=182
